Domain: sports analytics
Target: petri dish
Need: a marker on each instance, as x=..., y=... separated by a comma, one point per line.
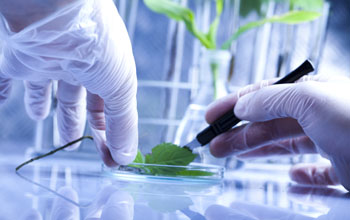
x=193, y=172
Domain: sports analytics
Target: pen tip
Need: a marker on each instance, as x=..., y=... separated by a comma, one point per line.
x=309, y=65
x=187, y=148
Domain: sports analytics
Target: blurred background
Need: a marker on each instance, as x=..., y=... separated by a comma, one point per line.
x=170, y=62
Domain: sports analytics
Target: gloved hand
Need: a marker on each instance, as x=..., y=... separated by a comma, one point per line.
x=310, y=116
x=85, y=46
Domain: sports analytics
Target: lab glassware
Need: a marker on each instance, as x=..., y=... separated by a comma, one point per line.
x=213, y=76
x=193, y=172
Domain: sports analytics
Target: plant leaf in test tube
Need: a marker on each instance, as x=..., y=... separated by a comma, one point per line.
x=292, y=17
x=180, y=13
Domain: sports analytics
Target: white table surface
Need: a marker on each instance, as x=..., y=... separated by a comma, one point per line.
x=60, y=188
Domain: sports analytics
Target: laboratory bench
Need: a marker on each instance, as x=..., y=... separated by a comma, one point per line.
x=66, y=188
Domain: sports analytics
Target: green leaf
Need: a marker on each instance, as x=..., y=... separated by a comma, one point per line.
x=293, y=17
x=213, y=29
x=179, y=13
x=194, y=173
x=170, y=154
x=170, y=9
x=139, y=157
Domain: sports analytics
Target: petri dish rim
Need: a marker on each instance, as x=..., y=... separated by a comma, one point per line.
x=132, y=173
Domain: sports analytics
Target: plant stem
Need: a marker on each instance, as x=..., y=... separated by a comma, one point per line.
x=53, y=151
x=215, y=74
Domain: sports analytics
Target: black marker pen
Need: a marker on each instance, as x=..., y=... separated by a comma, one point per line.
x=228, y=120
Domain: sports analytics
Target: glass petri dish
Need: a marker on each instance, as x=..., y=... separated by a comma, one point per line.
x=193, y=172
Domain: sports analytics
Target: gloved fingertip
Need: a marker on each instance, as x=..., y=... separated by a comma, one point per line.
x=105, y=154
x=101, y=147
x=216, y=149
x=240, y=108
x=108, y=161
x=123, y=149
x=124, y=157
x=36, y=114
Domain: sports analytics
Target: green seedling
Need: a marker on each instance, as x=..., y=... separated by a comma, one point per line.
x=209, y=39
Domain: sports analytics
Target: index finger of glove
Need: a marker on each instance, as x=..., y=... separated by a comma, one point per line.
x=221, y=106
x=71, y=112
x=112, y=114
x=283, y=100
x=112, y=77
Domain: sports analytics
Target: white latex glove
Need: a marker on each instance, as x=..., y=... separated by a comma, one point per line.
x=85, y=46
x=310, y=116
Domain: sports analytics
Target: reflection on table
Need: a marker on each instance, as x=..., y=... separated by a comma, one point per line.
x=58, y=189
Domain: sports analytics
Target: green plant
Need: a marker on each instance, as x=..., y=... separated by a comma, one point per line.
x=168, y=154
x=209, y=39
